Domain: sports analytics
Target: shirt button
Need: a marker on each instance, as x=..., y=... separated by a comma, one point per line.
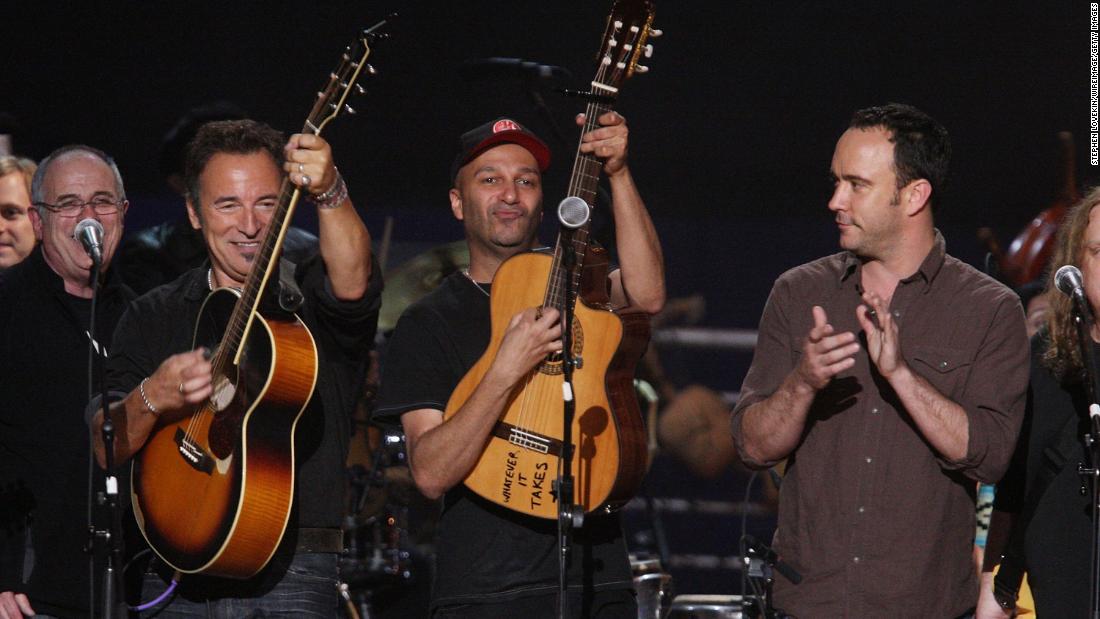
x=861, y=509
x=897, y=313
x=874, y=411
x=868, y=459
x=855, y=559
x=943, y=365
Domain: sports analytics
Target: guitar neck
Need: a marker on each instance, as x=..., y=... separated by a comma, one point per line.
x=330, y=102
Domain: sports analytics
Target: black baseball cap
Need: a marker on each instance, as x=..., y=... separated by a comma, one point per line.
x=496, y=132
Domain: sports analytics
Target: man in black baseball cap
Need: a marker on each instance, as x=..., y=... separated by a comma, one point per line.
x=499, y=131
x=492, y=562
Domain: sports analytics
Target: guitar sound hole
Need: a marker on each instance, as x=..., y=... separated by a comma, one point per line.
x=552, y=365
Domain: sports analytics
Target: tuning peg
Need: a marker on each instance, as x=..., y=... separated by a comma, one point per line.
x=620, y=65
x=656, y=33
x=634, y=29
x=641, y=68
x=349, y=109
x=320, y=94
x=648, y=51
x=606, y=60
x=333, y=106
x=343, y=85
x=359, y=89
x=371, y=70
x=618, y=24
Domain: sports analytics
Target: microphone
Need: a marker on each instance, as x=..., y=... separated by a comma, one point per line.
x=90, y=234
x=1068, y=279
x=573, y=212
x=497, y=67
x=769, y=557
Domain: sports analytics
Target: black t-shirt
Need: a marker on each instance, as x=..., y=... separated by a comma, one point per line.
x=485, y=553
x=160, y=324
x=44, y=440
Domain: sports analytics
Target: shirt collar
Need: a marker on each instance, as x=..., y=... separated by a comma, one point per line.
x=197, y=285
x=927, y=271
x=48, y=279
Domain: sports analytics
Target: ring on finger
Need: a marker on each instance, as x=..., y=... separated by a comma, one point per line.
x=306, y=180
x=181, y=388
x=301, y=168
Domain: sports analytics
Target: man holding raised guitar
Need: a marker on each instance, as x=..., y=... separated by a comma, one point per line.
x=492, y=562
x=234, y=170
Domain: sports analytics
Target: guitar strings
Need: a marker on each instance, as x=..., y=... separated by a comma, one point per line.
x=539, y=387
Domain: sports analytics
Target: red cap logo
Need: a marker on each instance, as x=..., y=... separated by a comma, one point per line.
x=505, y=125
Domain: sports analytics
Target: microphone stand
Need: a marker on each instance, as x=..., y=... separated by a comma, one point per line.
x=569, y=516
x=113, y=581
x=1082, y=317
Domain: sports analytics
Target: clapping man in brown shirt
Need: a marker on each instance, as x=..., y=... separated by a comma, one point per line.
x=891, y=376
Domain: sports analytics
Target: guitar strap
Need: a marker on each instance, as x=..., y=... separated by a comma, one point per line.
x=290, y=295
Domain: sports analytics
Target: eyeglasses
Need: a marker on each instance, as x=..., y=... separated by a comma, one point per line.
x=71, y=208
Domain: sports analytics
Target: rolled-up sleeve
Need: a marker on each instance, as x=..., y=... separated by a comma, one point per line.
x=995, y=395
x=771, y=362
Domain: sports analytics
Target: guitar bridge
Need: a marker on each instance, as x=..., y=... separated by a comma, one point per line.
x=529, y=440
x=192, y=453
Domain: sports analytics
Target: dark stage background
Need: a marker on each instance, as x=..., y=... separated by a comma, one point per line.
x=732, y=129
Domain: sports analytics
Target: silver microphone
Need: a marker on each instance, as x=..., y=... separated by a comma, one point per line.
x=90, y=234
x=573, y=212
x=1068, y=279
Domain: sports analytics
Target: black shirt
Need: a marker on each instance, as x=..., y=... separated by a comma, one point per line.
x=159, y=325
x=485, y=553
x=1058, y=541
x=44, y=441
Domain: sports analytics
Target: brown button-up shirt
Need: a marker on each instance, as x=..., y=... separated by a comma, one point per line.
x=875, y=520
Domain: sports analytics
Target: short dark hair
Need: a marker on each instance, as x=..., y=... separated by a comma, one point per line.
x=922, y=148
x=238, y=137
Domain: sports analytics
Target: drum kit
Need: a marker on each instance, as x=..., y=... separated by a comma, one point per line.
x=385, y=508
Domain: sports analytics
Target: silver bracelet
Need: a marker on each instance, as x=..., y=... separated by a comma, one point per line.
x=148, y=404
x=334, y=196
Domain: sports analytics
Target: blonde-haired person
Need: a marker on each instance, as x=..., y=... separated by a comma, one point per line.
x=16, y=232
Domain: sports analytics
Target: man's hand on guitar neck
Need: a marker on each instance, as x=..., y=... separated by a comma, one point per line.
x=640, y=284
x=608, y=143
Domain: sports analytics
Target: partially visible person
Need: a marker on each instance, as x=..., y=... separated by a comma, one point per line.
x=1042, y=523
x=45, y=309
x=1036, y=303
x=16, y=232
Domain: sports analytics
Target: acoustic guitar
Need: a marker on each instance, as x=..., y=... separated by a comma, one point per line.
x=520, y=459
x=212, y=492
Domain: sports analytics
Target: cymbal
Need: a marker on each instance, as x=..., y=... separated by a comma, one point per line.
x=417, y=277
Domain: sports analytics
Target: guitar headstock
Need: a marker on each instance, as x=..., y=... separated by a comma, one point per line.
x=629, y=26
x=344, y=79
